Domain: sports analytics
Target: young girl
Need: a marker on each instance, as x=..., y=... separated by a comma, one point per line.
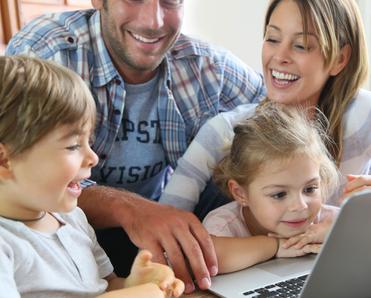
x=279, y=172
x=47, y=248
x=314, y=54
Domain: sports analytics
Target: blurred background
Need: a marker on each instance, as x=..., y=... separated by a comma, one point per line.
x=238, y=26
x=234, y=24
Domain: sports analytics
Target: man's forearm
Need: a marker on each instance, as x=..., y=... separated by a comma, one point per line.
x=106, y=206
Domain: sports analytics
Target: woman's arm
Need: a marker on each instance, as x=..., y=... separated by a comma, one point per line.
x=196, y=166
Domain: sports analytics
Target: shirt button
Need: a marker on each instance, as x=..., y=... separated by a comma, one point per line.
x=103, y=156
x=70, y=39
x=117, y=112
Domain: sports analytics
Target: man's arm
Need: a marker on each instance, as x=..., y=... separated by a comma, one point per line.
x=155, y=227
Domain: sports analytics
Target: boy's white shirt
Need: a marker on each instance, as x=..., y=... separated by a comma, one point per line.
x=67, y=263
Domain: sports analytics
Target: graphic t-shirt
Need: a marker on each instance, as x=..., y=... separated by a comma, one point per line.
x=137, y=161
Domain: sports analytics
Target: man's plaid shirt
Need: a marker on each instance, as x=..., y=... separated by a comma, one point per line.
x=197, y=80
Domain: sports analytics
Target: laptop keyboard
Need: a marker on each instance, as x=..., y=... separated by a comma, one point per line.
x=288, y=288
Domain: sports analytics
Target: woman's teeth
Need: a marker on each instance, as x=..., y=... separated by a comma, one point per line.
x=284, y=76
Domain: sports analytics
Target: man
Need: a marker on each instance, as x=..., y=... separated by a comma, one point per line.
x=153, y=88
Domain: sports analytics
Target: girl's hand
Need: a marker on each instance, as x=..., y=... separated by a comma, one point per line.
x=356, y=183
x=292, y=252
x=315, y=234
x=145, y=271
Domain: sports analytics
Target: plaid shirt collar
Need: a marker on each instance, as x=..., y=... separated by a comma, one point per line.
x=104, y=70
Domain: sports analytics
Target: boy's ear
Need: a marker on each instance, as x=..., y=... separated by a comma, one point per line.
x=5, y=170
x=238, y=192
x=341, y=61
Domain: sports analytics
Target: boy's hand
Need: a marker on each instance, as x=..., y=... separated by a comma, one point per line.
x=145, y=271
x=291, y=252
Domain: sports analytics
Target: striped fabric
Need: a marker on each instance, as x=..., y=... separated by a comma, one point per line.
x=196, y=166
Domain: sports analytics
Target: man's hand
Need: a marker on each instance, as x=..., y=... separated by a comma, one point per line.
x=164, y=229
x=145, y=271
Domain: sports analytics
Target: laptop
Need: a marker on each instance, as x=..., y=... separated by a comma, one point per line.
x=341, y=269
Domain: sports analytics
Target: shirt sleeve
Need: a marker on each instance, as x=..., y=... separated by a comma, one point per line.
x=196, y=166
x=8, y=287
x=105, y=267
x=240, y=84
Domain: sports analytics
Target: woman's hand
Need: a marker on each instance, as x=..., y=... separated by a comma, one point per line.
x=356, y=183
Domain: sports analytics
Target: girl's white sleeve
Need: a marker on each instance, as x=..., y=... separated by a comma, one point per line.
x=196, y=166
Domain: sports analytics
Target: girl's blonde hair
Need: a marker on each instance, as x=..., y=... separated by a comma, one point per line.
x=36, y=96
x=276, y=132
x=337, y=23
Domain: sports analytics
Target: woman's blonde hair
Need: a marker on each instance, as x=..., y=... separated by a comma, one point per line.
x=337, y=23
x=276, y=132
x=36, y=96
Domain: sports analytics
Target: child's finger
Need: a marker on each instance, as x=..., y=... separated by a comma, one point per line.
x=312, y=248
x=294, y=240
x=291, y=241
x=178, y=287
x=302, y=242
x=168, y=292
x=167, y=282
x=142, y=259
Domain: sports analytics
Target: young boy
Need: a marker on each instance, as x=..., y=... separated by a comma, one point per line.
x=47, y=248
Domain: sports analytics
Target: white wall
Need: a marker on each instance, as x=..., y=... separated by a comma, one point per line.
x=235, y=24
x=238, y=25
x=365, y=7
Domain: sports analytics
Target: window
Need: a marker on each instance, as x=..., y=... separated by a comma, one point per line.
x=15, y=13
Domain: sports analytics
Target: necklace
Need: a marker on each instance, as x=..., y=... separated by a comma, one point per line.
x=27, y=220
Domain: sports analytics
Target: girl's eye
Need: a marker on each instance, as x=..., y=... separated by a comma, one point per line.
x=311, y=189
x=74, y=147
x=279, y=195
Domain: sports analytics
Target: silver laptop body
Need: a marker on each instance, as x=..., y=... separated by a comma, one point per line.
x=342, y=269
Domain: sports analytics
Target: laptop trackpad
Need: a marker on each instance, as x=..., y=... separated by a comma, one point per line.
x=287, y=266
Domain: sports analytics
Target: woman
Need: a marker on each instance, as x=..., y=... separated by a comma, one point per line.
x=314, y=54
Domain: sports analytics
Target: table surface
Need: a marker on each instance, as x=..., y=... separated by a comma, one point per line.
x=200, y=294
